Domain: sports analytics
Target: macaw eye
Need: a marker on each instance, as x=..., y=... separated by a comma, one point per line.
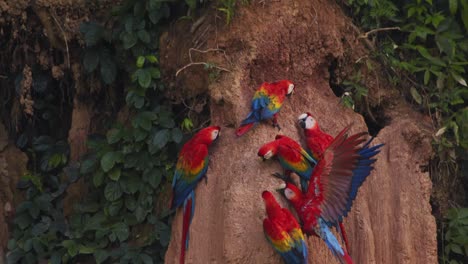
x=268, y=155
x=289, y=194
x=290, y=88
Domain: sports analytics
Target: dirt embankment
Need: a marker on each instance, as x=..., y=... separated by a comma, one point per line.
x=391, y=219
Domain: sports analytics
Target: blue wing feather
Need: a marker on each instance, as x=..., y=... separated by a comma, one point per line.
x=182, y=187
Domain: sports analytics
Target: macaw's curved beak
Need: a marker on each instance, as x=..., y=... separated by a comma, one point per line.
x=302, y=123
x=280, y=190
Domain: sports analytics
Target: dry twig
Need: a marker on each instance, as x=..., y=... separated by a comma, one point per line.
x=365, y=35
x=52, y=13
x=192, y=63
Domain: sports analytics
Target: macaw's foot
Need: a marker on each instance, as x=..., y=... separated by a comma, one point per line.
x=283, y=177
x=277, y=126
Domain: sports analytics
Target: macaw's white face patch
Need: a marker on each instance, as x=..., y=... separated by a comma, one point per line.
x=290, y=88
x=289, y=194
x=310, y=122
x=268, y=155
x=214, y=134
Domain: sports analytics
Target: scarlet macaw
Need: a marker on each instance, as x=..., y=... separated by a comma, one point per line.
x=191, y=167
x=283, y=232
x=330, y=193
x=318, y=141
x=291, y=156
x=266, y=103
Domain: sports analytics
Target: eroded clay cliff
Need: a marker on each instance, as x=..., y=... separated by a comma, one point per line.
x=391, y=219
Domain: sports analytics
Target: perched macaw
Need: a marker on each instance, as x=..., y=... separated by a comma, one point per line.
x=291, y=156
x=318, y=141
x=191, y=167
x=266, y=103
x=330, y=193
x=283, y=232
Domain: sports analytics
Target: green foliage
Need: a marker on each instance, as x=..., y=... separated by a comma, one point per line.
x=122, y=218
x=456, y=237
x=228, y=7
x=354, y=90
x=39, y=222
x=431, y=51
x=428, y=59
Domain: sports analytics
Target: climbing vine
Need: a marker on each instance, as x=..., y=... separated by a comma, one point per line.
x=424, y=46
x=123, y=215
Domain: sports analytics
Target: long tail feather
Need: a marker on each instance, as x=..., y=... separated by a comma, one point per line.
x=344, y=236
x=243, y=129
x=333, y=244
x=189, y=210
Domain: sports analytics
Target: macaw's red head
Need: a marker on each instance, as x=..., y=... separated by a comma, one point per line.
x=207, y=135
x=285, y=140
x=270, y=203
x=286, y=86
x=292, y=193
x=306, y=121
x=268, y=150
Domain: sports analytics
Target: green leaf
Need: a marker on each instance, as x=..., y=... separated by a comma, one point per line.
x=161, y=138
x=88, y=165
x=14, y=256
x=109, y=159
x=100, y=256
x=416, y=96
x=146, y=259
x=115, y=207
x=114, y=174
x=140, y=213
x=89, y=207
x=133, y=185
x=139, y=134
x=114, y=135
x=23, y=221
x=453, y=6
x=108, y=69
x=176, y=135
x=152, y=59
x=144, y=120
x=464, y=14
x=93, y=33
x=144, y=77
x=98, y=178
x=427, y=76
x=121, y=231
x=153, y=177
x=423, y=51
x=191, y=4
x=459, y=79
x=112, y=192
x=456, y=248
x=40, y=228
x=155, y=73
x=55, y=160
x=129, y=40
x=56, y=258
x=130, y=203
x=71, y=246
x=140, y=61
x=85, y=250
x=91, y=60
x=144, y=36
